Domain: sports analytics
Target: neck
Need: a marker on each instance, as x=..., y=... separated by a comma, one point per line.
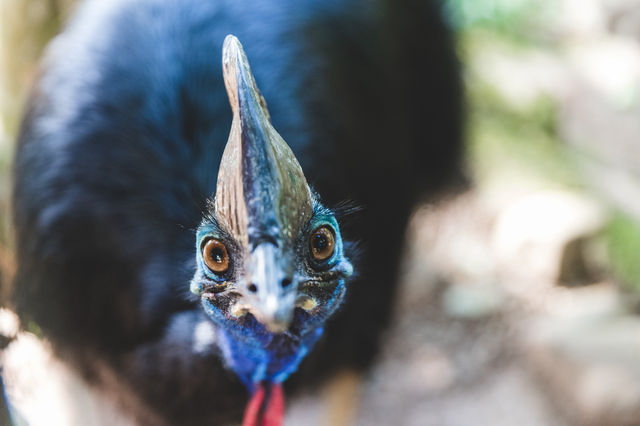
x=265, y=357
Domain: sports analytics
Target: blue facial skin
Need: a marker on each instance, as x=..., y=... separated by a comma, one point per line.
x=253, y=352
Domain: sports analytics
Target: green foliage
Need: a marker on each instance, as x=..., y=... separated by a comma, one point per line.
x=623, y=243
x=503, y=136
x=522, y=140
x=518, y=20
x=34, y=328
x=472, y=12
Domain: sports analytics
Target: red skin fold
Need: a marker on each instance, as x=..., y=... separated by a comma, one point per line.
x=265, y=413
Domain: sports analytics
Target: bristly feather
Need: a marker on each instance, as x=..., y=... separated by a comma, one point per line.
x=209, y=213
x=346, y=208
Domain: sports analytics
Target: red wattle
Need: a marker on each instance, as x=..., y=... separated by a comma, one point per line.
x=252, y=411
x=261, y=412
x=274, y=411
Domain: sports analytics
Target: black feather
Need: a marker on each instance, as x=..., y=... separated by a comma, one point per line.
x=119, y=152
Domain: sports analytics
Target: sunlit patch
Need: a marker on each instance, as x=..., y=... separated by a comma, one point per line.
x=203, y=336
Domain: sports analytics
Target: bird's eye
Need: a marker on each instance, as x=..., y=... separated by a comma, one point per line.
x=322, y=243
x=215, y=255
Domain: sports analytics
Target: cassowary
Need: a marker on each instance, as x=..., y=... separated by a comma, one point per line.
x=182, y=266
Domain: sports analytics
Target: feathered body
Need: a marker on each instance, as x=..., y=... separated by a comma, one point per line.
x=118, y=159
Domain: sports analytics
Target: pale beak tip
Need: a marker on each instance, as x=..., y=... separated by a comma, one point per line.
x=275, y=326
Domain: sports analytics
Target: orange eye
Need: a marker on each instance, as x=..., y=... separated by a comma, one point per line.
x=322, y=243
x=215, y=255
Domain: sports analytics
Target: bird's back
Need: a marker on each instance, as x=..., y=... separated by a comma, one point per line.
x=120, y=149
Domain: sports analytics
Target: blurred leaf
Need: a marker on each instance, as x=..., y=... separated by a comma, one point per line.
x=515, y=19
x=505, y=138
x=623, y=242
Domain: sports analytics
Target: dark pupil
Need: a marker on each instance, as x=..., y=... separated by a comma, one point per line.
x=217, y=255
x=320, y=242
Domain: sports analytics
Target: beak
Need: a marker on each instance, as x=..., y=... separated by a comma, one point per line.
x=270, y=292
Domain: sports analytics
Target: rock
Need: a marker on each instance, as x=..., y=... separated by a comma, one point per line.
x=543, y=236
x=521, y=78
x=472, y=301
x=622, y=17
x=589, y=366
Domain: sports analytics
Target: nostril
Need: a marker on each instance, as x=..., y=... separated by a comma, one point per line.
x=286, y=282
x=252, y=288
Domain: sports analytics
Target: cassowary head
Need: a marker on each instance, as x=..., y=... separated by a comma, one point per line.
x=270, y=258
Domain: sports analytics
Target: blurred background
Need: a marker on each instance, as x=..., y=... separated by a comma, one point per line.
x=520, y=300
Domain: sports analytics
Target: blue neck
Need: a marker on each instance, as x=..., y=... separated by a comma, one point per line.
x=272, y=358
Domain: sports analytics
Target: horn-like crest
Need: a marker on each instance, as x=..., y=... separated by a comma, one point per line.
x=261, y=190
